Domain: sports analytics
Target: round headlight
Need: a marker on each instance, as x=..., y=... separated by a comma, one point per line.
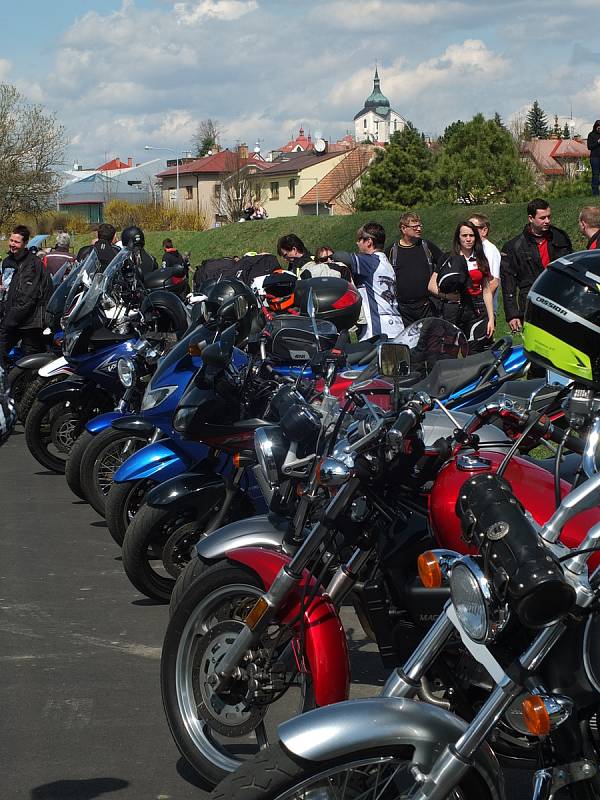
x=126, y=371
x=271, y=449
x=471, y=598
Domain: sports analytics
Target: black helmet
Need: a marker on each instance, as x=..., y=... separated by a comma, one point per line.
x=133, y=237
x=164, y=312
x=279, y=288
x=562, y=318
x=220, y=305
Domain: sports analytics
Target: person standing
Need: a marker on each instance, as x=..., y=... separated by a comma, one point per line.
x=104, y=246
x=482, y=223
x=526, y=256
x=54, y=260
x=593, y=145
x=589, y=225
x=375, y=280
x=463, y=284
x=25, y=287
x=171, y=255
x=413, y=260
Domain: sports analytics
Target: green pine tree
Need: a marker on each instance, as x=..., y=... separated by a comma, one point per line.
x=498, y=120
x=479, y=163
x=556, y=129
x=401, y=175
x=536, y=123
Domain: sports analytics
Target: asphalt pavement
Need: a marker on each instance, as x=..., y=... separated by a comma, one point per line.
x=80, y=650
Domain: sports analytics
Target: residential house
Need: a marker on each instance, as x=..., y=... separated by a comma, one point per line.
x=555, y=158
x=85, y=192
x=335, y=193
x=205, y=183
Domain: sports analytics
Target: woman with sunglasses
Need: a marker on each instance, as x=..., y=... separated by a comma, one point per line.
x=462, y=283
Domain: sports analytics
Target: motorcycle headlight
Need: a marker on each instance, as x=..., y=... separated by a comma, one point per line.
x=472, y=599
x=126, y=372
x=154, y=397
x=271, y=449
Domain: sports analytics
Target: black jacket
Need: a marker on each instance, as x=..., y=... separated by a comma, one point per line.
x=593, y=141
x=172, y=258
x=521, y=264
x=106, y=252
x=25, y=292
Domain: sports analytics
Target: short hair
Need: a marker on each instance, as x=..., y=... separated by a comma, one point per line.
x=482, y=220
x=106, y=231
x=22, y=230
x=539, y=204
x=289, y=242
x=410, y=216
x=320, y=252
x=374, y=231
x=63, y=239
x=590, y=215
x=167, y=243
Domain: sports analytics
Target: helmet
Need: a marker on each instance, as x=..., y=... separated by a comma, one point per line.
x=279, y=289
x=562, y=318
x=220, y=305
x=164, y=312
x=133, y=237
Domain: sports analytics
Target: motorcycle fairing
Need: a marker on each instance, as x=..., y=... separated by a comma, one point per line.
x=325, y=642
x=207, y=490
x=376, y=723
x=64, y=390
x=56, y=366
x=160, y=461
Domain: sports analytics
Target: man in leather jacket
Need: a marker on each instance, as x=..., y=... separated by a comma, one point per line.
x=526, y=256
x=104, y=246
x=22, y=305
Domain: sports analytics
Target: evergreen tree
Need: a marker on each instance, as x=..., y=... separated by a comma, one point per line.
x=536, y=124
x=556, y=129
x=480, y=163
x=566, y=134
x=498, y=120
x=400, y=176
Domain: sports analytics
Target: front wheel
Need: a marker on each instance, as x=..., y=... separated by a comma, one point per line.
x=105, y=454
x=51, y=430
x=123, y=501
x=73, y=465
x=217, y=731
x=276, y=774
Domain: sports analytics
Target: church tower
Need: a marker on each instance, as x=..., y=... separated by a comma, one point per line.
x=377, y=120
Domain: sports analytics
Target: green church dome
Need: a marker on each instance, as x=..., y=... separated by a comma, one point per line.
x=376, y=101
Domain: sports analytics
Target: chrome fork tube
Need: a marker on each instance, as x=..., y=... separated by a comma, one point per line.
x=405, y=681
x=345, y=577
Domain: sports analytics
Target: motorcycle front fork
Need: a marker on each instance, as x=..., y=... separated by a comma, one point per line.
x=456, y=759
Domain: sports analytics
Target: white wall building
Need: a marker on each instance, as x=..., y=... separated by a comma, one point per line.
x=377, y=121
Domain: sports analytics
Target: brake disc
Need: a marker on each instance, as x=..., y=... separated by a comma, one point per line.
x=179, y=548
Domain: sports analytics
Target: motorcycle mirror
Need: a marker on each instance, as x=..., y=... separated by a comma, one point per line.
x=218, y=354
x=394, y=360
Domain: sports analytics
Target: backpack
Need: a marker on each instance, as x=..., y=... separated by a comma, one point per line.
x=395, y=250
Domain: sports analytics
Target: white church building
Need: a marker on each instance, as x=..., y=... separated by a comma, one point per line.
x=377, y=121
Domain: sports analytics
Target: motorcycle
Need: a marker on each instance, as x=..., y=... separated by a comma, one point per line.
x=524, y=608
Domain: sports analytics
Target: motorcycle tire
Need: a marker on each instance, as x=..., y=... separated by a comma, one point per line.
x=123, y=501
x=73, y=466
x=215, y=734
x=276, y=773
x=19, y=381
x=50, y=431
x=190, y=573
x=103, y=457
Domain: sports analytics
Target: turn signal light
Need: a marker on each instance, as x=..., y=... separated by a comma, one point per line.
x=237, y=460
x=430, y=571
x=196, y=348
x=536, y=716
x=256, y=613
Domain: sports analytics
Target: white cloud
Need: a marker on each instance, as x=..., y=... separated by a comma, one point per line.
x=5, y=68
x=226, y=10
x=381, y=14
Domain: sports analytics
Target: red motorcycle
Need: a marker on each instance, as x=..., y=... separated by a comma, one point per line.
x=262, y=624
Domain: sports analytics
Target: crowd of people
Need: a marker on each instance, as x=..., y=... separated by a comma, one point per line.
x=405, y=282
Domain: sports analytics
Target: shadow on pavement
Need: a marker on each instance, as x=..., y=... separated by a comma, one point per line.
x=85, y=789
x=99, y=524
x=147, y=601
x=188, y=774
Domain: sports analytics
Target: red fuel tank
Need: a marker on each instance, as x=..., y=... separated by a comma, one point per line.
x=532, y=485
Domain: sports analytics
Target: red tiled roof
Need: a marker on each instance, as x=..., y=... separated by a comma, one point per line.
x=223, y=161
x=304, y=142
x=116, y=163
x=546, y=152
x=339, y=178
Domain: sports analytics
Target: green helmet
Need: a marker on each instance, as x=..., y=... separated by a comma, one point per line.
x=562, y=318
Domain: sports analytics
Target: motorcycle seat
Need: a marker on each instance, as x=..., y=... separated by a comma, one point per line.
x=449, y=375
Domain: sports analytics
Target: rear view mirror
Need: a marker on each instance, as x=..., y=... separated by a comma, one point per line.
x=394, y=360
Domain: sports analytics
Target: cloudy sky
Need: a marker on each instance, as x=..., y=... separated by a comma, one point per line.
x=124, y=73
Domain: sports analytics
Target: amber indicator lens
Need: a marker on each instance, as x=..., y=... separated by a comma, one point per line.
x=430, y=571
x=535, y=715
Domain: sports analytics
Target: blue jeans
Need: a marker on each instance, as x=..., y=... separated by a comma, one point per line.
x=595, y=164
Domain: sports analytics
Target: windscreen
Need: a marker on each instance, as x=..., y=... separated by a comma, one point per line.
x=79, y=278
x=102, y=284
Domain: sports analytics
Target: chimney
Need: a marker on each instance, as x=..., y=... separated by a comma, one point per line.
x=130, y=162
x=243, y=150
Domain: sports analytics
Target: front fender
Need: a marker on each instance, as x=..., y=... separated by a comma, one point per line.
x=35, y=361
x=206, y=490
x=325, y=641
x=64, y=390
x=264, y=530
x=380, y=722
x=158, y=460
x=133, y=423
x=102, y=422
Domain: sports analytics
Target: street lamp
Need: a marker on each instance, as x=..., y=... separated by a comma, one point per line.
x=170, y=150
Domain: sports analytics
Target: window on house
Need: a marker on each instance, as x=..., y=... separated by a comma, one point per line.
x=364, y=123
x=134, y=183
x=217, y=190
x=275, y=190
x=292, y=187
x=189, y=192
